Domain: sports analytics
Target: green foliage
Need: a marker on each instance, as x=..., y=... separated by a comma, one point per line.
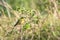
x=26, y=26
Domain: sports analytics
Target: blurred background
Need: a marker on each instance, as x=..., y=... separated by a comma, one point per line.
x=29, y=19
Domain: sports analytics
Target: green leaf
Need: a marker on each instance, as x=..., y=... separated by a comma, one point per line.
x=26, y=26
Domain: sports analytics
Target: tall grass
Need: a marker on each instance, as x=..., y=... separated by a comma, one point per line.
x=30, y=20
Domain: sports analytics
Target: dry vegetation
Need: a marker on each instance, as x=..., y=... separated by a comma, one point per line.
x=30, y=20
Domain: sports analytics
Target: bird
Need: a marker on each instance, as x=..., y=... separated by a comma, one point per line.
x=20, y=21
